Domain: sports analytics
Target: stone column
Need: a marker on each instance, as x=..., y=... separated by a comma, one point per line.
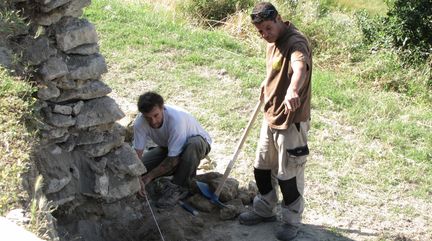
x=82, y=157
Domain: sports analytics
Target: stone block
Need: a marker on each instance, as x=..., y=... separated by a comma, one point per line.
x=5, y=57
x=97, y=112
x=53, y=68
x=201, y=203
x=247, y=194
x=120, y=188
x=102, y=148
x=87, y=49
x=49, y=6
x=77, y=107
x=48, y=91
x=90, y=90
x=74, y=32
x=229, y=189
x=71, y=9
x=86, y=67
x=102, y=185
x=124, y=161
x=54, y=133
x=98, y=166
x=59, y=120
x=64, y=83
x=87, y=137
x=69, y=144
x=62, y=109
x=37, y=50
x=228, y=213
x=57, y=184
x=54, y=165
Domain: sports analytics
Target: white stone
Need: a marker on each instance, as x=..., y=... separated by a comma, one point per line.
x=12, y=232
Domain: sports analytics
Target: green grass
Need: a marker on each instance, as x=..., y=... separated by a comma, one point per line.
x=175, y=58
x=374, y=7
x=15, y=140
x=368, y=145
x=383, y=117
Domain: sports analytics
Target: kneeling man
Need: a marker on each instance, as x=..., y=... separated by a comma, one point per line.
x=181, y=144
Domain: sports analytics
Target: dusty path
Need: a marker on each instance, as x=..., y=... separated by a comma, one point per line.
x=177, y=224
x=308, y=232
x=210, y=228
x=366, y=215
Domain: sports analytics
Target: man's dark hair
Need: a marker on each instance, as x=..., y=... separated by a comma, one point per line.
x=148, y=100
x=263, y=11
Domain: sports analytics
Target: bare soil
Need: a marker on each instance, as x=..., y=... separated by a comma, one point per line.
x=367, y=217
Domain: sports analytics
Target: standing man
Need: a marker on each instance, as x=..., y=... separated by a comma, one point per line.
x=282, y=148
x=182, y=144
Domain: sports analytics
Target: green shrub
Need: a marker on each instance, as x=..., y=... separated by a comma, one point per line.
x=213, y=11
x=406, y=29
x=372, y=27
x=409, y=24
x=397, y=47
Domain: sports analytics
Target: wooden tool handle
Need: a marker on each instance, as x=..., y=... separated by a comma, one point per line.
x=238, y=148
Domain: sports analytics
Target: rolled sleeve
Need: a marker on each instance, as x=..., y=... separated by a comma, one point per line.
x=300, y=52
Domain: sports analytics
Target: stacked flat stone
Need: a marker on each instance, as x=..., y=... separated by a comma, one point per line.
x=82, y=154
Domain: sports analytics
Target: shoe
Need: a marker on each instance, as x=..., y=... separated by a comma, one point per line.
x=287, y=232
x=172, y=194
x=251, y=218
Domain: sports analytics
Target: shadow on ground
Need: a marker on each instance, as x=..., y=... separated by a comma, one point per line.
x=232, y=230
x=319, y=232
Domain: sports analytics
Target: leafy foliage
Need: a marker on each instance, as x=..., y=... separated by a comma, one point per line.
x=406, y=29
x=409, y=25
x=402, y=43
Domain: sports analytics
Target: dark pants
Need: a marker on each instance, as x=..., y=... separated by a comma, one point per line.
x=194, y=151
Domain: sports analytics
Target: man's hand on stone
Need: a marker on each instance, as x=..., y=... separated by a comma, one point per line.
x=144, y=180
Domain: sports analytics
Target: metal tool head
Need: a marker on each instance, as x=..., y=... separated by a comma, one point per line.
x=205, y=190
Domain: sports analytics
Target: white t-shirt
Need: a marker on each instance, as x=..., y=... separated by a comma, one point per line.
x=178, y=125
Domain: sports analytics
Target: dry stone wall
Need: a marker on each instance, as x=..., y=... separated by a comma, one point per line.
x=82, y=155
x=89, y=172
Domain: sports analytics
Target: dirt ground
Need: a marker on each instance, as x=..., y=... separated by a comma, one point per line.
x=178, y=224
x=325, y=220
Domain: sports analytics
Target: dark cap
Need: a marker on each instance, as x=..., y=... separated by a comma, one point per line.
x=263, y=11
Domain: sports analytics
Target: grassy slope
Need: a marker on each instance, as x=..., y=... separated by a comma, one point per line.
x=371, y=149
x=375, y=7
x=15, y=141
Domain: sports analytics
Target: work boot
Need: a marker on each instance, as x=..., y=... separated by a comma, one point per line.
x=252, y=218
x=287, y=232
x=172, y=194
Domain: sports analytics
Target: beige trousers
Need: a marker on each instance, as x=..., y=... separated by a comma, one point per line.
x=282, y=152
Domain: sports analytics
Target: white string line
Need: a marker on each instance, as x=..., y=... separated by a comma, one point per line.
x=154, y=217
